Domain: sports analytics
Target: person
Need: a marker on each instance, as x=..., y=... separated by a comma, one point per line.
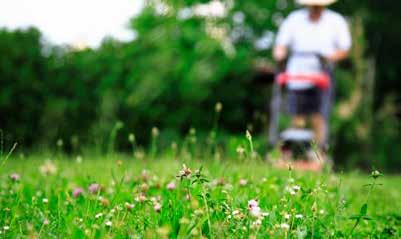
x=308, y=39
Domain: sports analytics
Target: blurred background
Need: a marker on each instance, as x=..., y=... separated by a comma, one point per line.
x=74, y=71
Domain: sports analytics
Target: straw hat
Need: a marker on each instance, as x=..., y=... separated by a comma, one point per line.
x=316, y=2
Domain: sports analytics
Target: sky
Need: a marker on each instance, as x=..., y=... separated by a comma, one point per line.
x=72, y=21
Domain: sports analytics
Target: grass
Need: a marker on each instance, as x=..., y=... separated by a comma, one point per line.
x=142, y=197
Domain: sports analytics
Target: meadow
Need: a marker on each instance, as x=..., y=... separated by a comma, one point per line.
x=184, y=195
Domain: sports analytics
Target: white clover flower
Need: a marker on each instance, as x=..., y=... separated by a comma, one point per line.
x=253, y=203
x=296, y=188
x=98, y=215
x=243, y=182
x=255, y=211
x=45, y=200
x=6, y=228
x=284, y=226
x=299, y=216
x=321, y=211
x=108, y=223
x=157, y=207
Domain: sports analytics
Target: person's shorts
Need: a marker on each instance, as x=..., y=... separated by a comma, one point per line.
x=304, y=102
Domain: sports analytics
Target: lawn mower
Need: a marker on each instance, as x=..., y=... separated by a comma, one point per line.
x=295, y=140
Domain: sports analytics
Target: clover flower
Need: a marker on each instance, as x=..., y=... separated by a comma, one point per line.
x=77, y=192
x=48, y=168
x=94, y=188
x=157, y=207
x=243, y=182
x=129, y=206
x=15, y=177
x=299, y=216
x=284, y=226
x=171, y=186
x=185, y=172
x=253, y=203
x=108, y=223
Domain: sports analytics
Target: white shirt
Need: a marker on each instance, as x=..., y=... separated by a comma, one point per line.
x=326, y=36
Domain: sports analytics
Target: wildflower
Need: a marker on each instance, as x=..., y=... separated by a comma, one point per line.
x=139, y=154
x=145, y=175
x=94, y=188
x=218, y=107
x=15, y=177
x=157, y=207
x=144, y=187
x=45, y=200
x=287, y=216
x=321, y=211
x=171, y=186
x=6, y=228
x=129, y=206
x=140, y=198
x=284, y=226
x=108, y=223
x=46, y=222
x=48, y=168
x=299, y=216
x=243, y=182
x=255, y=211
x=253, y=203
x=185, y=172
x=77, y=192
x=240, y=151
x=104, y=201
x=99, y=215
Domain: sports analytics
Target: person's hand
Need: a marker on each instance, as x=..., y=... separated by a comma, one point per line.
x=337, y=56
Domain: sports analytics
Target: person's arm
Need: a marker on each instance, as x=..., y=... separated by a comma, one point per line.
x=337, y=56
x=280, y=53
x=343, y=42
x=283, y=40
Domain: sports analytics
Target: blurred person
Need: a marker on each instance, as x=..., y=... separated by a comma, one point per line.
x=311, y=40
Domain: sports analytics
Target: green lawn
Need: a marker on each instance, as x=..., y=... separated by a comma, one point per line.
x=143, y=198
